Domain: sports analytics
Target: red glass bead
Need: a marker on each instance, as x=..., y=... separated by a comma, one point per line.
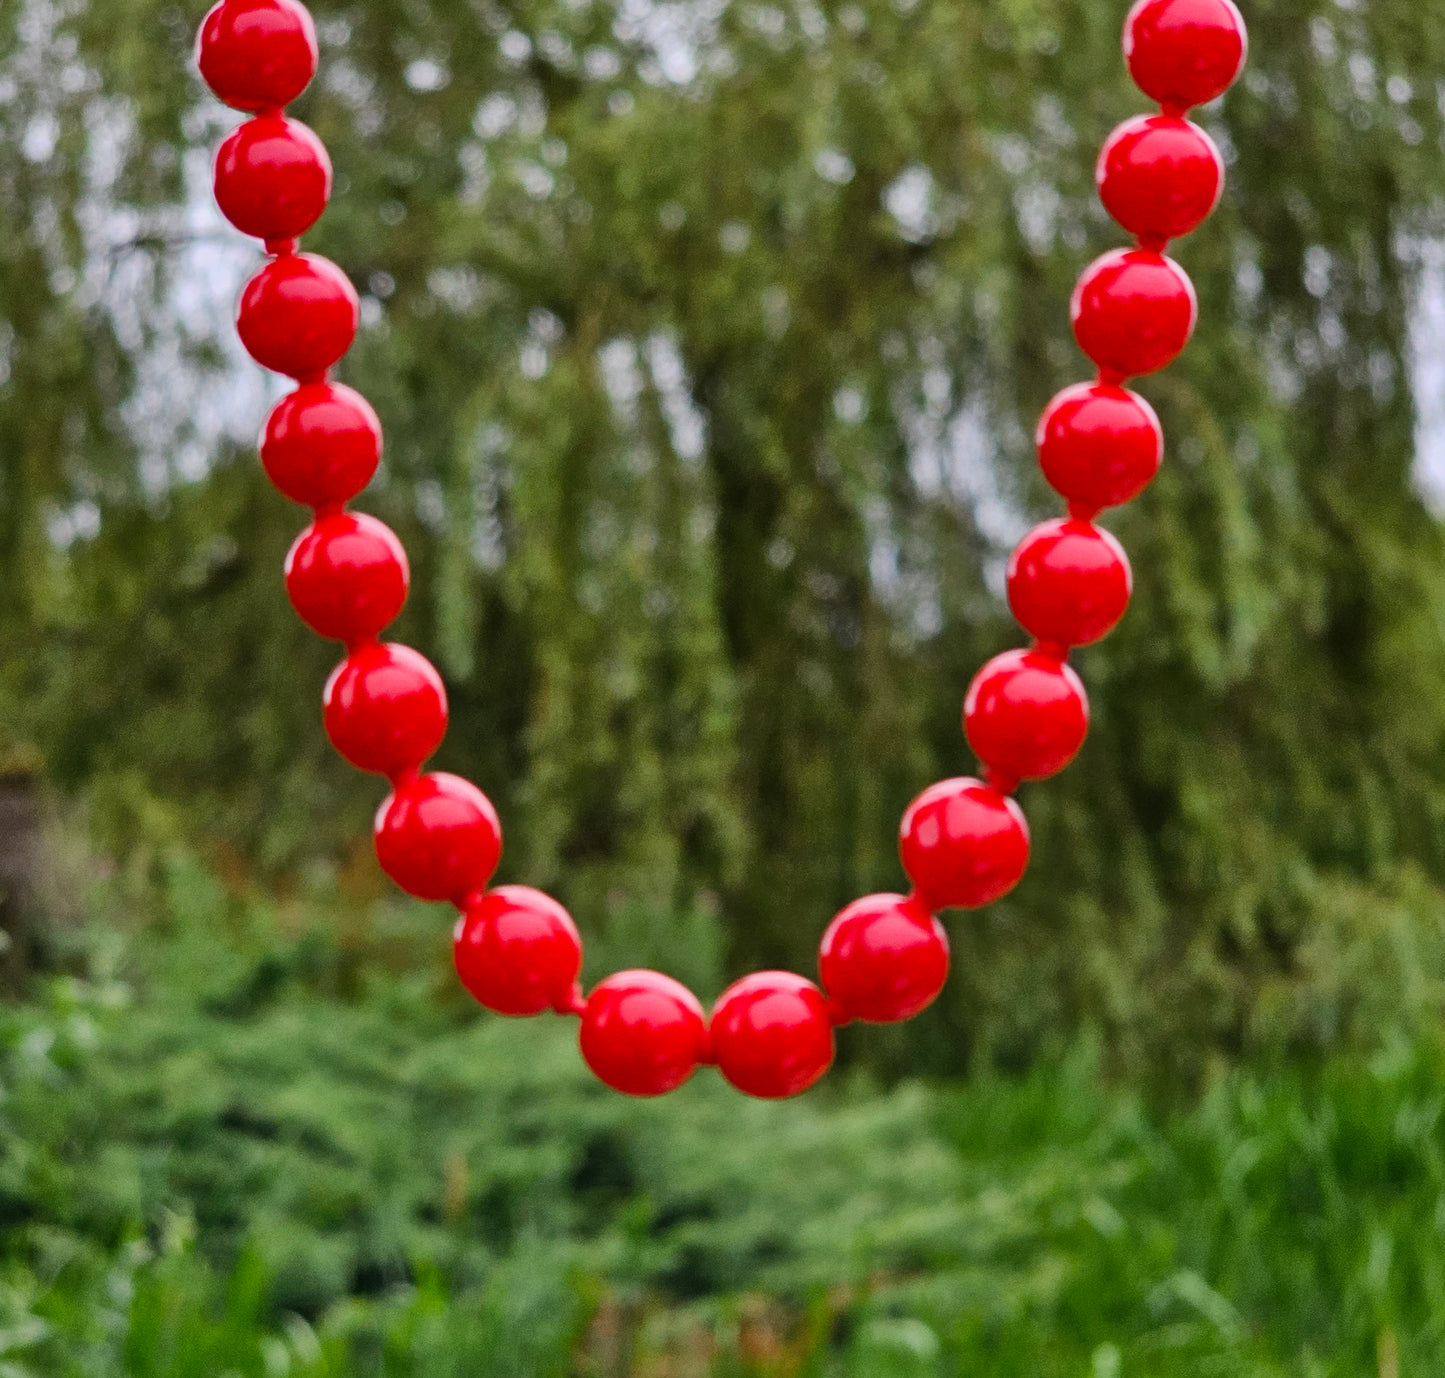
x=883, y=959
x=385, y=708
x=298, y=315
x=347, y=576
x=1069, y=582
x=438, y=837
x=1183, y=53
x=321, y=444
x=642, y=1033
x=771, y=1034
x=273, y=178
x=1026, y=715
x=1099, y=445
x=517, y=951
x=1134, y=311
x=257, y=54
x=963, y=844
x=1159, y=176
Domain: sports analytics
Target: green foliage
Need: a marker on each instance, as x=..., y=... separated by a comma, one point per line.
x=346, y=1140
x=708, y=338
x=225, y=1164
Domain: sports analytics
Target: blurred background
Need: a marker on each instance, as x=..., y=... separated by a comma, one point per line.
x=709, y=336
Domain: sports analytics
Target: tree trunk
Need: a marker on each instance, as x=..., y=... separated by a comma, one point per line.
x=20, y=861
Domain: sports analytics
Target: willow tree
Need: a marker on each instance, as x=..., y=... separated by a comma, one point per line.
x=708, y=338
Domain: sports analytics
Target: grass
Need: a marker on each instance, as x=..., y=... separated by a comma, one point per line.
x=259, y=1155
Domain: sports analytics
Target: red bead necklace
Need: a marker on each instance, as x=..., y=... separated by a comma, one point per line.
x=964, y=843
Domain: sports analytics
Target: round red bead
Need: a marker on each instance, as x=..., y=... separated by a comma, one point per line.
x=347, y=576
x=1099, y=445
x=1159, y=176
x=438, y=837
x=385, y=708
x=1069, y=582
x=883, y=959
x=771, y=1034
x=517, y=951
x=257, y=54
x=321, y=444
x=1134, y=311
x=273, y=178
x=1184, y=52
x=1026, y=715
x=642, y=1033
x=963, y=844
x=298, y=315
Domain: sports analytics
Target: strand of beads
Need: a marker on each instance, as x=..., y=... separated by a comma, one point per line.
x=964, y=843
x=1100, y=444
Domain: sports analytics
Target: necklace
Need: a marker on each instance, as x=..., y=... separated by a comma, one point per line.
x=964, y=843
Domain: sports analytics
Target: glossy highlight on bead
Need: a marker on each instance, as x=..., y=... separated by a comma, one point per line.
x=298, y=315
x=438, y=837
x=257, y=54
x=1099, y=445
x=273, y=178
x=517, y=952
x=1026, y=715
x=963, y=843
x=1160, y=176
x=772, y=1036
x=1134, y=311
x=884, y=959
x=347, y=576
x=1069, y=582
x=642, y=1033
x=385, y=709
x=321, y=444
x=1184, y=53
